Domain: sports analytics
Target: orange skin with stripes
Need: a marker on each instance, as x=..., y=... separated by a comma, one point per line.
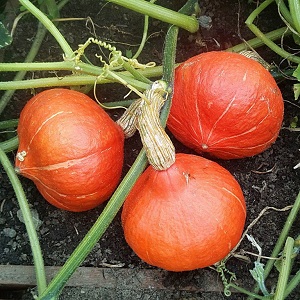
x=187, y=217
x=225, y=104
x=73, y=151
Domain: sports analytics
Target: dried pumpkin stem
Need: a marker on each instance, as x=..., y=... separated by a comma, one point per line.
x=159, y=148
x=144, y=115
x=128, y=120
x=255, y=56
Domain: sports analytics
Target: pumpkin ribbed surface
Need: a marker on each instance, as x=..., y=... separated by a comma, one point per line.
x=73, y=149
x=187, y=217
x=225, y=104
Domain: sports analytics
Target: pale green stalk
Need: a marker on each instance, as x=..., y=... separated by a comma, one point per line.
x=69, y=81
x=10, y=145
x=294, y=6
x=295, y=281
x=285, y=270
x=257, y=42
x=161, y=13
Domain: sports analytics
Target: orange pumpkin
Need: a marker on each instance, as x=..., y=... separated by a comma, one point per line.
x=225, y=104
x=187, y=217
x=70, y=148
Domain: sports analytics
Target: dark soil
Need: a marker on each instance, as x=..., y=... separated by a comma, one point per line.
x=268, y=179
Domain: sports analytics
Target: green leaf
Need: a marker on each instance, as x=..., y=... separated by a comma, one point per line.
x=128, y=53
x=297, y=73
x=296, y=89
x=296, y=86
x=296, y=38
x=258, y=274
x=5, y=37
x=294, y=122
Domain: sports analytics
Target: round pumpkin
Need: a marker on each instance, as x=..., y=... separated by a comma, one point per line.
x=187, y=217
x=70, y=148
x=225, y=104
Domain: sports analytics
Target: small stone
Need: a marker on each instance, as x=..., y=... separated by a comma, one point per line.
x=24, y=257
x=35, y=217
x=9, y=232
x=44, y=230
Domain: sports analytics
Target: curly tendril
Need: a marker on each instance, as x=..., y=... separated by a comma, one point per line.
x=116, y=59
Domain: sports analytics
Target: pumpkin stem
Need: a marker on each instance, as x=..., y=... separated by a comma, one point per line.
x=128, y=120
x=255, y=56
x=144, y=116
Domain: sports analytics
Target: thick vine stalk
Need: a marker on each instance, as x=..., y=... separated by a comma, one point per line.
x=188, y=23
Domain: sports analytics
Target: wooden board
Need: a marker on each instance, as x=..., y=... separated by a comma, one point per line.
x=14, y=277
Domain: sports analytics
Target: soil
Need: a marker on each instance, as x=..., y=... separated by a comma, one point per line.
x=267, y=180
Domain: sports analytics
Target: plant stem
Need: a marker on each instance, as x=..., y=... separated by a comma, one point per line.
x=135, y=73
x=281, y=240
x=264, y=38
x=285, y=269
x=121, y=103
x=284, y=11
x=294, y=6
x=69, y=66
x=68, y=81
x=10, y=145
x=144, y=38
x=68, y=52
x=246, y=292
x=258, y=10
x=161, y=13
x=33, y=238
x=9, y=123
x=37, y=66
x=295, y=281
x=284, y=54
x=257, y=42
x=168, y=70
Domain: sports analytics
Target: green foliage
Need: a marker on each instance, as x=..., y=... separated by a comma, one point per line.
x=296, y=38
x=258, y=274
x=296, y=90
x=5, y=37
x=294, y=122
x=297, y=85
